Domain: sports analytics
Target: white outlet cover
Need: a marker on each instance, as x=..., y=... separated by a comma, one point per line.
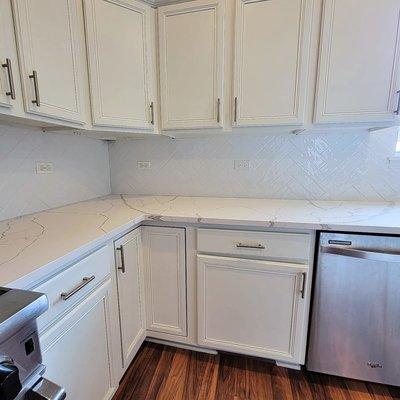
x=44, y=168
x=144, y=164
x=241, y=165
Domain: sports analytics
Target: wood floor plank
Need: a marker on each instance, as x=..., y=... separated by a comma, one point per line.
x=358, y=390
x=336, y=389
x=301, y=388
x=281, y=384
x=140, y=371
x=160, y=374
x=260, y=379
x=165, y=373
x=208, y=387
x=173, y=386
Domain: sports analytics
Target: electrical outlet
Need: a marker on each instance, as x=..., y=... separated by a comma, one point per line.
x=241, y=165
x=144, y=164
x=44, y=168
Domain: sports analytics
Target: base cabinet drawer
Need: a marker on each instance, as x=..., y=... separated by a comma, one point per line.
x=77, y=350
x=253, y=307
x=72, y=285
x=268, y=245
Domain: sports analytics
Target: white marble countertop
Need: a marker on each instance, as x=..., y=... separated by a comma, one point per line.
x=34, y=246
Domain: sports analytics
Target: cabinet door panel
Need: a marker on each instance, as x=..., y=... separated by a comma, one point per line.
x=359, y=61
x=48, y=35
x=165, y=270
x=76, y=351
x=9, y=69
x=119, y=46
x=191, y=45
x=6, y=51
x=271, y=62
x=252, y=307
x=130, y=281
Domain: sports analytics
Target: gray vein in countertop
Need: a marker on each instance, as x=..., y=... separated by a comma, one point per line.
x=36, y=238
x=4, y=233
x=130, y=207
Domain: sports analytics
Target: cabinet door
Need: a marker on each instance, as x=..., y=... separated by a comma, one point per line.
x=119, y=42
x=165, y=271
x=252, y=307
x=77, y=350
x=8, y=59
x=130, y=282
x=191, y=52
x=48, y=34
x=271, y=61
x=359, y=61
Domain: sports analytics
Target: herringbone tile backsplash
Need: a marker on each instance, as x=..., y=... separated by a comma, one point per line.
x=332, y=166
x=81, y=170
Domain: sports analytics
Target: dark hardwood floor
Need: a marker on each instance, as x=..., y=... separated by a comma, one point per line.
x=162, y=372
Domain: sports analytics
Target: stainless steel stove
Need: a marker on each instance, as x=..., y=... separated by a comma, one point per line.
x=21, y=368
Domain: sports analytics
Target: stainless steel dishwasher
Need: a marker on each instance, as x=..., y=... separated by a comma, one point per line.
x=355, y=325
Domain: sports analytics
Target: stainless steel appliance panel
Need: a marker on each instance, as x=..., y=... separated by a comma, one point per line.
x=355, y=326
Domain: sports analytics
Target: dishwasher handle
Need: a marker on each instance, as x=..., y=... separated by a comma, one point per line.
x=363, y=254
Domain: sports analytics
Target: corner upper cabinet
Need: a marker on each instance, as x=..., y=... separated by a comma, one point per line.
x=49, y=37
x=272, y=47
x=359, y=61
x=120, y=43
x=191, y=58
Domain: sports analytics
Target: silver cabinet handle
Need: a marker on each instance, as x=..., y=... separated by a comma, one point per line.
x=250, y=246
x=85, y=281
x=218, y=110
x=122, y=267
x=34, y=76
x=152, y=113
x=235, y=110
x=303, y=284
x=397, y=112
x=10, y=78
x=363, y=254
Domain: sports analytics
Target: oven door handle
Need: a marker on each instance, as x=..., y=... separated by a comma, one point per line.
x=363, y=254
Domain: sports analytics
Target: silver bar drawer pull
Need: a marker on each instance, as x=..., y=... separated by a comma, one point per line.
x=250, y=246
x=397, y=112
x=152, y=113
x=10, y=78
x=303, y=284
x=34, y=76
x=85, y=281
x=122, y=267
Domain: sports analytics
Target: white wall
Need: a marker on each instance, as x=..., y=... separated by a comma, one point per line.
x=81, y=170
x=344, y=165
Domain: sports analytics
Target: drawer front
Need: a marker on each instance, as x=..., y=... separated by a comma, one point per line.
x=268, y=245
x=70, y=286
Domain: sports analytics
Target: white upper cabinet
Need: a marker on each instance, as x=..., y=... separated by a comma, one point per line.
x=359, y=61
x=120, y=42
x=49, y=34
x=9, y=75
x=272, y=47
x=191, y=58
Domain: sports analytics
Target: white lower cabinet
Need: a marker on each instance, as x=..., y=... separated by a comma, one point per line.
x=164, y=254
x=253, y=307
x=130, y=284
x=78, y=349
